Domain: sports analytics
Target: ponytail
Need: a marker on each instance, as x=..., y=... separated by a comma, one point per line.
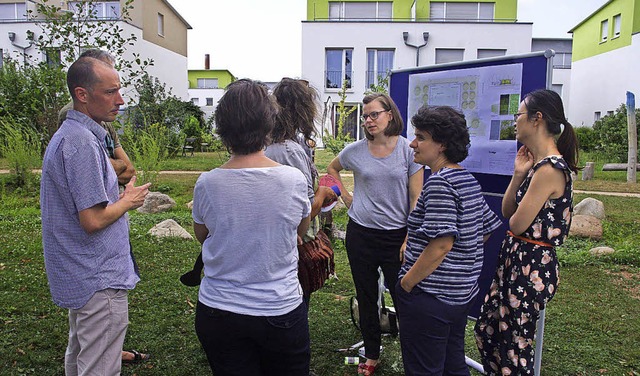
x=568, y=146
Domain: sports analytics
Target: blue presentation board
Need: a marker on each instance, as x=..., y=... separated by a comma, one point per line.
x=474, y=88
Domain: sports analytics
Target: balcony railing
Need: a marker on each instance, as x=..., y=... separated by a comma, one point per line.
x=334, y=79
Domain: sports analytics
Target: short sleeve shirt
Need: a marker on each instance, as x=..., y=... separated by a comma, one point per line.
x=77, y=175
x=381, y=185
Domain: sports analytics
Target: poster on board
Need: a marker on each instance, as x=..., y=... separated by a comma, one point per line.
x=487, y=96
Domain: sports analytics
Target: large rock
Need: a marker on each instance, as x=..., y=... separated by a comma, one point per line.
x=156, y=202
x=586, y=226
x=590, y=206
x=601, y=251
x=169, y=228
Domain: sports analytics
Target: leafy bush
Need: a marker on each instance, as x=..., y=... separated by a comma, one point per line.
x=32, y=95
x=335, y=143
x=612, y=134
x=587, y=138
x=20, y=145
x=147, y=148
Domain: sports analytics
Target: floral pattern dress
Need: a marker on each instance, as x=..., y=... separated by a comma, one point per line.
x=525, y=281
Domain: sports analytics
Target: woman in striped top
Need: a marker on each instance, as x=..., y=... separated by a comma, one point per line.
x=444, y=253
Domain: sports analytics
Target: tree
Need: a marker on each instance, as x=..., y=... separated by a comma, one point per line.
x=613, y=135
x=335, y=143
x=89, y=24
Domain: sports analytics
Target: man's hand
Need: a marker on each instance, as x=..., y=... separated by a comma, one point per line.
x=135, y=195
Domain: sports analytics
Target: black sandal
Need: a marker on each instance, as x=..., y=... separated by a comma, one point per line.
x=137, y=357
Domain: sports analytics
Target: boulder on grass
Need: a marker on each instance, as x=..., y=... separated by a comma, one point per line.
x=156, y=202
x=601, y=251
x=169, y=228
x=590, y=206
x=586, y=226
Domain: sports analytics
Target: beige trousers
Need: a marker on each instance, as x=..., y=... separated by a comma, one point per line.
x=96, y=335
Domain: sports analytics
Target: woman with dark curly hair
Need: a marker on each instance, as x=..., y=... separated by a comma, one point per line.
x=538, y=203
x=248, y=214
x=438, y=281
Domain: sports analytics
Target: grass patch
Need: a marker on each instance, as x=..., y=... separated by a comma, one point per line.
x=592, y=326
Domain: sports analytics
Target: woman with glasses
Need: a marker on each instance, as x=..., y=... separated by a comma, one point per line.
x=387, y=183
x=538, y=204
x=248, y=214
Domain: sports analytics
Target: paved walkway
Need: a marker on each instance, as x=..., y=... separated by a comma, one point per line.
x=619, y=194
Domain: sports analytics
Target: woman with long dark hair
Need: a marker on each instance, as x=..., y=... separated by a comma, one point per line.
x=539, y=204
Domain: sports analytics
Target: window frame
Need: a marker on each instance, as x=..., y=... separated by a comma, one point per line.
x=448, y=49
x=445, y=16
x=346, y=72
x=617, y=25
x=375, y=80
x=205, y=80
x=342, y=10
x=16, y=12
x=604, y=30
x=84, y=11
x=160, y=24
x=209, y=101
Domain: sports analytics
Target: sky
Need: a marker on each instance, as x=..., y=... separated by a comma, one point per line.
x=261, y=39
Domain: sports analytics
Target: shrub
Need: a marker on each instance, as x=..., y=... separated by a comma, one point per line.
x=147, y=148
x=587, y=138
x=20, y=145
x=335, y=143
x=613, y=136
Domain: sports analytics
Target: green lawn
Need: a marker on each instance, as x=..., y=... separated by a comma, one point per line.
x=592, y=323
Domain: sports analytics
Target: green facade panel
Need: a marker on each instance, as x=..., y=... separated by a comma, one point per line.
x=587, y=36
x=505, y=10
x=224, y=77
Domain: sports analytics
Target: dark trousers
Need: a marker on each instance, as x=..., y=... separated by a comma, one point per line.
x=254, y=345
x=369, y=249
x=431, y=334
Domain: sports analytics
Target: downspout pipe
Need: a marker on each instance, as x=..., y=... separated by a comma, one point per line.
x=425, y=36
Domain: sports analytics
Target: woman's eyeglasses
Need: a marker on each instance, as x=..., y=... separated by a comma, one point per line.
x=517, y=115
x=373, y=115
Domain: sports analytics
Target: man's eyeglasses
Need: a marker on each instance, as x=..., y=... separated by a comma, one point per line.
x=373, y=115
x=517, y=115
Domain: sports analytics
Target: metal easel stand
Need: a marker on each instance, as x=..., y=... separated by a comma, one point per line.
x=537, y=351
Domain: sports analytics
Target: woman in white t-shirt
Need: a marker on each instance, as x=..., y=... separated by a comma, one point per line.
x=387, y=183
x=248, y=214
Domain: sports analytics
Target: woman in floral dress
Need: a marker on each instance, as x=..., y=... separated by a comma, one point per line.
x=538, y=204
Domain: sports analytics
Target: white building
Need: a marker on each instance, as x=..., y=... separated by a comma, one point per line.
x=160, y=30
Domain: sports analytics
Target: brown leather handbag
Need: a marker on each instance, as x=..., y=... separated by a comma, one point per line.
x=315, y=263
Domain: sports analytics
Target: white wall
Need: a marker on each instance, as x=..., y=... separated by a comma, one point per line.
x=316, y=36
x=600, y=83
x=169, y=67
x=202, y=95
x=563, y=77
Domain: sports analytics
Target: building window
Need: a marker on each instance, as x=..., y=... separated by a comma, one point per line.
x=13, y=11
x=351, y=123
x=209, y=101
x=484, y=53
x=339, y=65
x=52, y=57
x=379, y=63
x=617, y=21
x=160, y=24
x=96, y=10
x=557, y=88
x=609, y=113
x=1, y=57
x=207, y=83
x=195, y=101
x=596, y=116
x=373, y=10
x=562, y=60
x=604, y=30
x=449, y=55
x=444, y=11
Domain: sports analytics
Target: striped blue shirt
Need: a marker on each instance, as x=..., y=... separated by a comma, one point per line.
x=451, y=204
x=77, y=175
